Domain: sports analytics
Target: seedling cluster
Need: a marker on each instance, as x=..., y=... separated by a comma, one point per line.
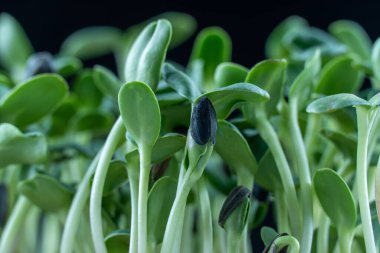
x=160, y=157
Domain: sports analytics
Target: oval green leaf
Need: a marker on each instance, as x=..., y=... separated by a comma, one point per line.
x=117, y=241
x=180, y=82
x=87, y=93
x=160, y=200
x=147, y=54
x=267, y=175
x=335, y=102
x=303, y=84
x=335, y=198
x=339, y=76
x=46, y=192
x=228, y=73
x=106, y=81
x=274, y=46
x=226, y=99
x=140, y=112
x=270, y=76
x=166, y=146
x=375, y=59
x=67, y=65
x=212, y=46
x=116, y=176
x=354, y=37
x=233, y=148
x=91, y=42
x=15, y=47
x=19, y=148
x=32, y=100
x=268, y=234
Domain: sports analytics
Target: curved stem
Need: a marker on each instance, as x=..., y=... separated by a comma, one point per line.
x=345, y=240
x=77, y=206
x=97, y=187
x=361, y=178
x=14, y=224
x=205, y=217
x=283, y=241
x=174, y=225
x=270, y=137
x=305, y=178
x=133, y=179
x=323, y=234
x=142, y=205
x=233, y=242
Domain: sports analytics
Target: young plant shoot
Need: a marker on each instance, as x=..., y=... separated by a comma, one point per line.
x=157, y=156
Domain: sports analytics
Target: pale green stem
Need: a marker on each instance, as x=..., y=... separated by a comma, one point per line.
x=323, y=234
x=142, y=202
x=205, y=217
x=187, y=240
x=311, y=135
x=77, y=206
x=345, y=240
x=328, y=156
x=283, y=241
x=361, y=178
x=270, y=137
x=281, y=212
x=305, y=178
x=233, y=241
x=174, y=225
x=14, y=224
x=109, y=148
x=133, y=179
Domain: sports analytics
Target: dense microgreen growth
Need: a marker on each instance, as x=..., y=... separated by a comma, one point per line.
x=151, y=157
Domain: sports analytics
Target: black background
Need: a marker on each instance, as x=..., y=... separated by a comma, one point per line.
x=248, y=23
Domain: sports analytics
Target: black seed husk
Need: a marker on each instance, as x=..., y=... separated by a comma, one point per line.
x=203, y=124
x=234, y=199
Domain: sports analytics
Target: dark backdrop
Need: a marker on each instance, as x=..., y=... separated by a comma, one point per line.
x=248, y=23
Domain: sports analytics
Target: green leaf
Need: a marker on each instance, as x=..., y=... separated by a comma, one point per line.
x=335, y=102
x=19, y=148
x=212, y=46
x=15, y=47
x=91, y=42
x=32, y=100
x=229, y=73
x=116, y=176
x=147, y=54
x=268, y=234
x=84, y=88
x=339, y=76
x=180, y=82
x=183, y=25
x=117, y=241
x=92, y=121
x=335, y=198
x=270, y=76
x=377, y=191
x=274, y=47
x=46, y=192
x=375, y=59
x=106, y=81
x=303, y=84
x=267, y=175
x=226, y=99
x=301, y=44
x=140, y=112
x=354, y=37
x=67, y=65
x=160, y=200
x=233, y=148
x=166, y=146
x=169, y=98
